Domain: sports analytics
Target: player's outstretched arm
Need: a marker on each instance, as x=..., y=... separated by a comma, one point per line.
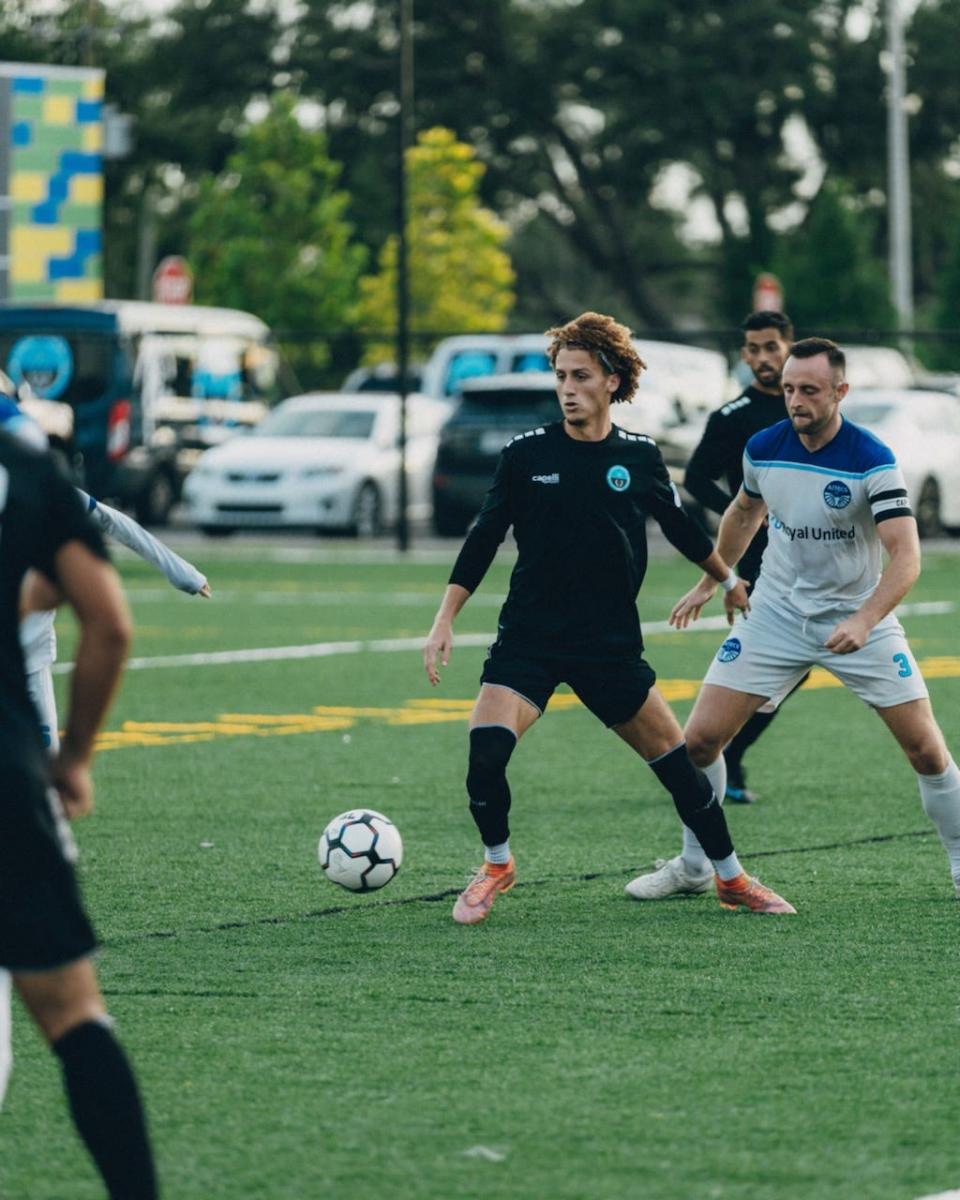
x=439, y=643
x=740, y=523
x=183, y=575
x=92, y=589
x=902, y=544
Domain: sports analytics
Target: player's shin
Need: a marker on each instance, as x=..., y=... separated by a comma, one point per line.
x=106, y=1109
x=699, y=809
x=490, y=750
x=940, y=795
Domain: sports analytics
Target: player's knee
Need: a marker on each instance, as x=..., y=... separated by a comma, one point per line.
x=928, y=757
x=703, y=746
x=490, y=750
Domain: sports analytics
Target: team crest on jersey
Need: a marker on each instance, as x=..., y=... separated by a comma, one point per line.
x=729, y=650
x=618, y=478
x=837, y=494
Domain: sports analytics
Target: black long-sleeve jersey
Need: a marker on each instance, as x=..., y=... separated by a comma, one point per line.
x=40, y=512
x=720, y=456
x=578, y=511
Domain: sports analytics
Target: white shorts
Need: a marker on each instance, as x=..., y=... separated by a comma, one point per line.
x=769, y=651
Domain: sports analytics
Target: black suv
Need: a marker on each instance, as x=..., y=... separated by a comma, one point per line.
x=490, y=411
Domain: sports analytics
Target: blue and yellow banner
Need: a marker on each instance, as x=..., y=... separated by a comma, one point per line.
x=51, y=182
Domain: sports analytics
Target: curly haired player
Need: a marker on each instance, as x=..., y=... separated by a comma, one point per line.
x=577, y=493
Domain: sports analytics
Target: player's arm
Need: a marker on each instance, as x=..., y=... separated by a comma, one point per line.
x=91, y=587
x=707, y=464
x=738, y=527
x=477, y=553
x=183, y=575
x=902, y=544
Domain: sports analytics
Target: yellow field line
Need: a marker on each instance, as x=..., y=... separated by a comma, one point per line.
x=327, y=718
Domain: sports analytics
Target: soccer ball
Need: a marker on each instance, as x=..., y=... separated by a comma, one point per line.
x=361, y=850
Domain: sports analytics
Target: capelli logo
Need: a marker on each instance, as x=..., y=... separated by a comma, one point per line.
x=554, y=478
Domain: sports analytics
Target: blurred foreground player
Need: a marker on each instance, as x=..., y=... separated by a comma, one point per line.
x=577, y=493
x=45, y=937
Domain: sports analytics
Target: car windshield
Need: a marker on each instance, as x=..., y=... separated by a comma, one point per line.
x=524, y=399
x=868, y=413
x=318, y=423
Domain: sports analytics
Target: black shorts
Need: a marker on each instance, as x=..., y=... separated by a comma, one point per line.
x=613, y=689
x=42, y=921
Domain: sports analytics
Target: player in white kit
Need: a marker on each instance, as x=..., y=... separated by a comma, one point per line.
x=834, y=496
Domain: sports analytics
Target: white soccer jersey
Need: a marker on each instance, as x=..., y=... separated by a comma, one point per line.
x=823, y=556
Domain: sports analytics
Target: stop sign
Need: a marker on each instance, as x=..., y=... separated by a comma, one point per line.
x=173, y=281
x=767, y=294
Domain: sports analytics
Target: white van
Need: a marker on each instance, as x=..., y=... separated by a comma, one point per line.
x=690, y=380
x=151, y=386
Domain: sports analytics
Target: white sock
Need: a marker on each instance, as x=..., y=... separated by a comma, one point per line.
x=729, y=867
x=692, y=852
x=497, y=854
x=941, y=802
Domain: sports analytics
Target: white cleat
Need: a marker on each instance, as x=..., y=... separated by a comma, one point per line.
x=671, y=878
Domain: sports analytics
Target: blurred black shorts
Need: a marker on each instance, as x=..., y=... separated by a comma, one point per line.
x=42, y=921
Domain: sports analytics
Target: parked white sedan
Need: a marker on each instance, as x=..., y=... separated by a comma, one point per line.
x=319, y=461
x=923, y=430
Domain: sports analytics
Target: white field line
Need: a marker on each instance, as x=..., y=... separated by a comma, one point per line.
x=320, y=599
x=928, y=608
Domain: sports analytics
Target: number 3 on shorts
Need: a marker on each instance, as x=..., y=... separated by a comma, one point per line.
x=904, y=664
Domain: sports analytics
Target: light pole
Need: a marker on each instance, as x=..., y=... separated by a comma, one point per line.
x=403, y=282
x=898, y=172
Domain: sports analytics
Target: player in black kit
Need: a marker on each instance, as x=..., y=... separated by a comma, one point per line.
x=45, y=937
x=577, y=493
x=767, y=336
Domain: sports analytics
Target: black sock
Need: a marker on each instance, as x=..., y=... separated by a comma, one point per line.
x=490, y=750
x=106, y=1110
x=693, y=796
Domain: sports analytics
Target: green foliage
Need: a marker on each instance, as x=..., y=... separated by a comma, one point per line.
x=831, y=282
x=270, y=233
x=946, y=354
x=460, y=276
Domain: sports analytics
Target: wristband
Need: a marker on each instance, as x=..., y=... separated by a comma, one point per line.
x=730, y=582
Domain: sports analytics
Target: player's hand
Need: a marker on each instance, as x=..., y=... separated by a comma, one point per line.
x=848, y=636
x=689, y=607
x=439, y=645
x=74, y=785
x=205, y=591
x=736, y=600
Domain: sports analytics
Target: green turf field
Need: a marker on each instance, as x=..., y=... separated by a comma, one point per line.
x=294, y=1041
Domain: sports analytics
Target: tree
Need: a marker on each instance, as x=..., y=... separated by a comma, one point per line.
x=270, y=234
x=831, y=282
x=461, y=277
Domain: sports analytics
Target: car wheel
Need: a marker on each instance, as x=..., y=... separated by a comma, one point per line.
x=928, y=510
x=153, y=505
x=217, y=531
x=367, y=518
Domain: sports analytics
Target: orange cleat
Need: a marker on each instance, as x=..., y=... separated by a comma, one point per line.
x=476, y=900
x=747, y=892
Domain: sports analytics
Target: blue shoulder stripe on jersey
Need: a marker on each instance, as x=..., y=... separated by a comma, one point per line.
x=8, y=409
x=853, y=454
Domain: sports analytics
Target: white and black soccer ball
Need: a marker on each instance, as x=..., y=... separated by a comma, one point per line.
x=361, y=850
